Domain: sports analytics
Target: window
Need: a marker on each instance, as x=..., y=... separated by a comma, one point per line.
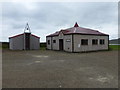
x=102, y=41
x=54, y=41
x=48, y=42
x=94, y=41
x=84, y=41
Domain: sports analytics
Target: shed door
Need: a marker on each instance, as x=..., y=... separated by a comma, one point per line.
x=27, y=41
x=61, y=44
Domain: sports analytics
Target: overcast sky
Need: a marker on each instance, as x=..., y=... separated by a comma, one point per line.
x=45, y=18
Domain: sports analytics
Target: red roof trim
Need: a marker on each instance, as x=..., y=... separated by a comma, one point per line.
x=88, y=34
x=51, y=35
x=35, y=36
x=80, y=34
x=16, y=35
x=22, y=34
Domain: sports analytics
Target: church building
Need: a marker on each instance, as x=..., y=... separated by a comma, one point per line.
x=24, y=41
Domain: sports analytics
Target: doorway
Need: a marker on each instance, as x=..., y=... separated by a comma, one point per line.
x=61, y=44
x=27, y=41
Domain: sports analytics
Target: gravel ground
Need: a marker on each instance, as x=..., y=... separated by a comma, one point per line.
x=55, y=69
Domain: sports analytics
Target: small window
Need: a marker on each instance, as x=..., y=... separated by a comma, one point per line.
x=84, y=41
x=102, y=41
x=94, y=41
x=48, y=42
x=54, y=41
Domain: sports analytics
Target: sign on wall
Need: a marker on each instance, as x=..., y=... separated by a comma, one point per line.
x=68, y=40
x=78, y=45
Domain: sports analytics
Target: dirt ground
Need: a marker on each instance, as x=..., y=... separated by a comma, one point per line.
x=55, y=69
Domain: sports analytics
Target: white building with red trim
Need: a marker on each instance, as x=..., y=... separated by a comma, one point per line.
x=24, y=41
x=77, y=39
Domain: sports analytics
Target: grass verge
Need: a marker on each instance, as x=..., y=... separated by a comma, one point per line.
x=114, y=47
x=43, y=46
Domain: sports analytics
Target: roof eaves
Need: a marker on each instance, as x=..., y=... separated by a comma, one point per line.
x=35, y=36
x=16, y=35
x=87, y=34
x=51, y=35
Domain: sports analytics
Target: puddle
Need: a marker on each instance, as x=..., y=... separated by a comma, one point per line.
x=29, y=63
x=59, y=86
x=33, y=62
x=58, y=61
x=37, y=61
x=40, y=56
x=61, y=60
x=103, y=79
x=85, y=69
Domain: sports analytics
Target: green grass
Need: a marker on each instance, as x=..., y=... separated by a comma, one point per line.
x=114, y=47
x=0, y=46
x=5, y=45
x=43, y=46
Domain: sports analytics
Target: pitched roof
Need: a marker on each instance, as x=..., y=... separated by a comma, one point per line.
x=78, y=30
x=16, y=35
x=35, y=36
x=23, y=34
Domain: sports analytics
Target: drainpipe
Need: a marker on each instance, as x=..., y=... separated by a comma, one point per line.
x=51, y=44
x=24, y=42
x=72, y=43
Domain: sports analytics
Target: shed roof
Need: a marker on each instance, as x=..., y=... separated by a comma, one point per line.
x=78, y=30
x=23, y=34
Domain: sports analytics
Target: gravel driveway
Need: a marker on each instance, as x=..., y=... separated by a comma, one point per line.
x=56, y=69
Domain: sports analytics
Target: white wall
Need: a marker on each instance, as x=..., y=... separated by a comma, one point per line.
x=34, y=42
x=68, y=43
x=17, y=43
x=78, y=47
x=55, y=46
x=48, y=45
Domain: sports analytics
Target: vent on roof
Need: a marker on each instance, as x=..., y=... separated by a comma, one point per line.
x=76, y=25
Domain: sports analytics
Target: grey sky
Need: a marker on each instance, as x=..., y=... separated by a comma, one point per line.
x=47, y=17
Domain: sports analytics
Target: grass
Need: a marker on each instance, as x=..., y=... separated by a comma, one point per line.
x=5, y=46
x=111, y=47
x=0, y=46
x=114, y=47
x=43, y=46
